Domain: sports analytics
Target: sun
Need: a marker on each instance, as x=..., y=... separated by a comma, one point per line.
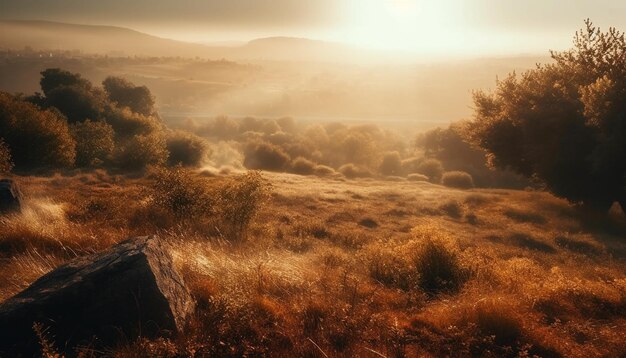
x=409, y=25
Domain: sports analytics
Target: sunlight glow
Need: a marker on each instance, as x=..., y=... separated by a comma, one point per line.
x=415, y=25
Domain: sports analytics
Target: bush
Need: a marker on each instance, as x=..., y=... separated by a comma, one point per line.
x=265, y=156
x=37, y=138
x=323, y=170
x=126, y=94
x=77, y=103
x=352, y=171
x=457, y=179
x=438, y=266
x=179, y=193
x=6, y=165
x=141, y=151
x=432, y=168
x=127, y=123
x=417, y=177
x=302, y=166
x=410, y=165
x=94, y=142
x=239, y=202
x=391, y=164
x=186, y=149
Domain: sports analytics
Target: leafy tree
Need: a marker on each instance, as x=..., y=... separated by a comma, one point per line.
x=126, y=94
x=37, y=138
x=186, y=149
x=77, y=103
x=52, y=78
x=71, y=94
x=94, y=142
x=140, y=151
x=565, y=122
x=391, y=164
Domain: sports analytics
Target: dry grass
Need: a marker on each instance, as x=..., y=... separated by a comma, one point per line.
x=350, y=268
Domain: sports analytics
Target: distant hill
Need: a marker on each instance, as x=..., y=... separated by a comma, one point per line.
x=45, y=35
x=119, y=41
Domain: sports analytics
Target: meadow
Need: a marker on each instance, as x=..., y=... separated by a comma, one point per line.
x=328, y=266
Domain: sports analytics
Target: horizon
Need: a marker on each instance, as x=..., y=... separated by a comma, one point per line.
x=413, y=27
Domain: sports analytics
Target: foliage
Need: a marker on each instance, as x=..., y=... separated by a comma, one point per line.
x=457, y=179
x=302, y=166
x=94, y=142
x=77, y=103
x=127, y=123
x=186, y=149
x=352, y=171
x=565, y=122
x=141, y=151
x=71, y=94
x=178, y=192
x=391, y=164
x=126, y=94
x=52, y=78
x=37, y=138
x=265, y=156
x=432, y=168
x=6, y=164
x=438, y=265
x=240, y=201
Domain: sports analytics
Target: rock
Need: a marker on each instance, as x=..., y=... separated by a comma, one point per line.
x=99, y=300
x=10, y=196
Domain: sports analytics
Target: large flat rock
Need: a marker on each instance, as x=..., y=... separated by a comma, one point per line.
x=99, y=300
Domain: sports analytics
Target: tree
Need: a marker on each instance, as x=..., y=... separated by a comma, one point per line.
x=391, y=164
x=37, y=138
x=94, y=142
x=126, y=94
x=52, y=78
x=565, y=122
x=71, y=94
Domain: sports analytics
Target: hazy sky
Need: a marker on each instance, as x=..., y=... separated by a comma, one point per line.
x=473, y=27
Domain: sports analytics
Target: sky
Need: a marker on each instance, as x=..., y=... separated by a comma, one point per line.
x=428, y=27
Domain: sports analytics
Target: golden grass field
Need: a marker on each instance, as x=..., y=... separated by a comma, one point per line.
x=341, y=268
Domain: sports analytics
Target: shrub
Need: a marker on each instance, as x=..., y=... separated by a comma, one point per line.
x=323, y=170
x=452, y=208
x=6, y=165
x=391, y=164
x=186, y=149
x=417, y=177
x=94, y=142
x=178, y=192
x=302, y=166
x=352, y=171
x=265, y=156
x=391, y=269
x=37, y=138
x=77, y=103
x=141, y=151
x=410, y=165
x=432, y=168
x=438, y=266
x=126, y=94
x=457, y=179
x=52, y=78
x=239, y=202
x=127, y=123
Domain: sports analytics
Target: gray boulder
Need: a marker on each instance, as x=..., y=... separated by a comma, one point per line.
x=100, y=300
x=10, y=196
